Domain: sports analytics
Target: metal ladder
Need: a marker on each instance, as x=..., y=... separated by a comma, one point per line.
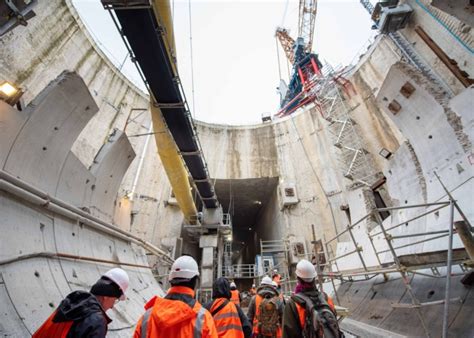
x=412, y=57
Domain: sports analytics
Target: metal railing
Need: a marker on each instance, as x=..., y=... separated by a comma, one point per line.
x=240, y=271
x=396, y=265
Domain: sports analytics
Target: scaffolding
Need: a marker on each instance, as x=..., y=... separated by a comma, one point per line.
x=276, y=249
x=354, y=158
x=409, y=263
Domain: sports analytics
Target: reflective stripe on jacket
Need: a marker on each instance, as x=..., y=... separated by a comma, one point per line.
x=235, y=296
x=227, y=319
x=166, y=318
x=52, y=329
x=258, y=300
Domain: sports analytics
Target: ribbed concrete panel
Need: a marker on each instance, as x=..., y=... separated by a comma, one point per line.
x=41, y=295
x=426, y=290
x=58, y=115
x=75, y=183
x=11, y=122
x=23, y=230
x=10, y=324
x=109, y=167
x=375, y=309
x=32, y=287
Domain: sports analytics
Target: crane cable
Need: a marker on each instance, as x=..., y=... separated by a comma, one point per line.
x=191, y=56
x=278, y=57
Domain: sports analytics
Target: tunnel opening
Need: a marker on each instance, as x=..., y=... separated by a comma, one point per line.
x=253, y=206
x=250, y=204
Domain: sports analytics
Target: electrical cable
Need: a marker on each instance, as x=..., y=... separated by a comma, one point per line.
x=191, y=57
x=278, y=57
x=283, y=18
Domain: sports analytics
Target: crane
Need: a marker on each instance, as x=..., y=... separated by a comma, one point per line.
x=305, y=63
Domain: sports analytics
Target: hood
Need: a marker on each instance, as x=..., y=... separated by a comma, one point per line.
x=78, y=305
x=267, y=291
x=171, y=312
x=221, y=288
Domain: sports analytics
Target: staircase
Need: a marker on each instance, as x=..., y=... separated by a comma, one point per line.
x=412, y=57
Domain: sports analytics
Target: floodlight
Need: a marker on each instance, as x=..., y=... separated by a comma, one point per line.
x=10, y=93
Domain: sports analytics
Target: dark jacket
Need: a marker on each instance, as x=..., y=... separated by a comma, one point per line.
x=291, y=322
x=264, y=291
x=85, y=310
x=221, y=289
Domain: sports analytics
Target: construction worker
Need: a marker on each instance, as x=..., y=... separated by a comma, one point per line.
x=294, y=316
x=229, y=318
x=266, y=311
x=178, y=314
x=83, y=314
x=253, y=290
x=235, y=294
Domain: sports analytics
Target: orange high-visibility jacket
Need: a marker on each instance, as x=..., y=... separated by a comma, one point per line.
x=227, y=320
x=52, y=329
x=234, y=298
x=258, y=300
x=166, y=318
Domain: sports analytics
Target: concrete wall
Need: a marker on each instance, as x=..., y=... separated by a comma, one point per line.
x=35, y=148
x=298, y=149
x=56, y=40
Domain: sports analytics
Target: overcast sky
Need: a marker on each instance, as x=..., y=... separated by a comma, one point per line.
x=235, y=61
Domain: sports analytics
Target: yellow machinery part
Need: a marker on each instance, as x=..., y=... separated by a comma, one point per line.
x=173, y=165
x=163, y=16
x=167, y=149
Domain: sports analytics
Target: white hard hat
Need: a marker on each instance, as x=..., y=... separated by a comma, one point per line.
x=305, y=270
x=184, y=267
x=266, y=281
x=253, y=285
x=119, y=277
x=232, y=285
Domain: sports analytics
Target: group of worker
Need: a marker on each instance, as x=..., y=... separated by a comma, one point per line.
x=179, y=314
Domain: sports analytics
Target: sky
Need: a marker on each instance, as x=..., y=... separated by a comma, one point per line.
x=235, y=69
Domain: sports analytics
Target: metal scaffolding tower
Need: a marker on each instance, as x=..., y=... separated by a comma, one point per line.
x=408, y=263
x=354, y=158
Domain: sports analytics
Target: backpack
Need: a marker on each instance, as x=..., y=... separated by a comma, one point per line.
x=320, y=321
x=268, y=318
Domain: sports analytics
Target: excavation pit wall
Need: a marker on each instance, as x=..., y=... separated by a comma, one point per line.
x=298, y=151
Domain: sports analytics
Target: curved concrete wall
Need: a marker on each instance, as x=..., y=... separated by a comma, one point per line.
x=36, y=149
x=297, y=150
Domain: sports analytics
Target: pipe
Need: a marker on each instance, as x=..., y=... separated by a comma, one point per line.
x=162, y=10
x=173, y=165
x=61, y=255
x=35, y=196
x=448, y=273
x=167, y=148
